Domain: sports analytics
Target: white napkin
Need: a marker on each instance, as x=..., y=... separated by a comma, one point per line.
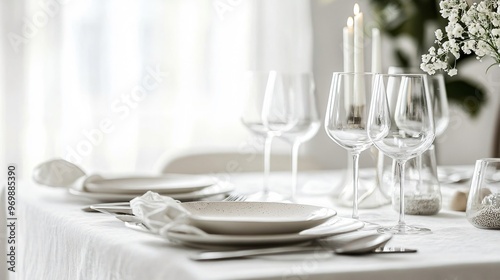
x=62, y=173
x=58, y=173
x=162, y=214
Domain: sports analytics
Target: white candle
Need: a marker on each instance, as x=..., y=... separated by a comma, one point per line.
x=376, y=51
x=359, y=67
x=348, y=50
x=348, y=45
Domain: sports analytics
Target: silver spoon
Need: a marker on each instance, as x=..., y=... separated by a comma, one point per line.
x=364, y=245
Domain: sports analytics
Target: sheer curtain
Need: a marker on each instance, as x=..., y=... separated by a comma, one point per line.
x=115, y=86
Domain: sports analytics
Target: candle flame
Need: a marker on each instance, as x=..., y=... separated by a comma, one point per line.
x=350, y=22
x=356, y=9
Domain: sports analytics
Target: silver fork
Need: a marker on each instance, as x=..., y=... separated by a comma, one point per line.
x=235, y=197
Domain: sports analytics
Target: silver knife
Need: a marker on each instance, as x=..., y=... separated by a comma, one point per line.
x=205, y=256
x=116, y=207
x=223, y=255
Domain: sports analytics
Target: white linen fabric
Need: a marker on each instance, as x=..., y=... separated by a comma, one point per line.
x=59, y=241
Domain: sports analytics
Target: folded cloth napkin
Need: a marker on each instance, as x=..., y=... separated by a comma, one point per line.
x=62, y=173
x=57, y=173
x=162, y=214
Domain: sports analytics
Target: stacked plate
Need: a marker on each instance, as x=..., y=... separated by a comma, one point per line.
x=178, y=186
x=253, y=223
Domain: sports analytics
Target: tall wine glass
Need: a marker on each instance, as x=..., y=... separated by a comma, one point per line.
x=301, y=85
x=346, y=118
x=427, y=180
x=267, y=114
x=402, y=132
x=437, y=91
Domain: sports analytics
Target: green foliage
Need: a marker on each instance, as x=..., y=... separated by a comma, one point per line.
x=467, y=94
x=397, y=18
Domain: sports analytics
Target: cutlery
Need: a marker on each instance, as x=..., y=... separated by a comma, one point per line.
x=223, y=255
x=389, y=250
x=115, y=207
x=124, y=207
x=362, y=245
x=135, y=225
x=129, y=219
x=235, y=197
x=371, y=244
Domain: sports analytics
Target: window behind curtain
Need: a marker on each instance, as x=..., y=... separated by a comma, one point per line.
x=117, y=85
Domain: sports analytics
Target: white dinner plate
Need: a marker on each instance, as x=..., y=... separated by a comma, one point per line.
x=219, y=188
x=165, y=184
x=333, y=226
x=244, y=218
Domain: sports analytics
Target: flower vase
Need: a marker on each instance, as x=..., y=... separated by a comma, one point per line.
x=496, y=138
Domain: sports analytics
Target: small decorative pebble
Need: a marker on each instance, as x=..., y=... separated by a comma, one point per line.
x=420, y=204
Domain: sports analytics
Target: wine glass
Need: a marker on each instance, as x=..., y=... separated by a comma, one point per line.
x=439, y=103
x=346, y=118
x=437, y=91
x=267, y=114
x=402, y=132
x=425, y=177
x=301, y=85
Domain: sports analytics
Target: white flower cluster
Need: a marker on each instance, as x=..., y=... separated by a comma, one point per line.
x=472, y=29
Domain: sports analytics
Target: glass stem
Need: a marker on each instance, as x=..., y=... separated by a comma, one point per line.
x=295, y=163
x=267, y=162
x=401, y=166
x=355, y=166
x=419, y=170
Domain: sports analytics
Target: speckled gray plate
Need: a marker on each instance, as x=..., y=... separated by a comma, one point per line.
x=255, y=217
x=333, y=226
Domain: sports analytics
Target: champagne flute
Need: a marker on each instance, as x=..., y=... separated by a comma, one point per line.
x=301, y=85
x=346, y=119
x=267, y=114
x=402, y=132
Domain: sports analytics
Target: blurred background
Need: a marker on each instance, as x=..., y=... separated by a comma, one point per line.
x=121, y=86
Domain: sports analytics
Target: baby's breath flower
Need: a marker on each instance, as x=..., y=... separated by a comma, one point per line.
x=471, y=28
x=439, y=34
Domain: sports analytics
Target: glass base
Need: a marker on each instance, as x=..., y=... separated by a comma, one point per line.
x=404, y=230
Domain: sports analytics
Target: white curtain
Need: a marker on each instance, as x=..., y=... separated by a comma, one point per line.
x=116, y=85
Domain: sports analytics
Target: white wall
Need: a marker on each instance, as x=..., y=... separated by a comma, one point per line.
x=468, y=139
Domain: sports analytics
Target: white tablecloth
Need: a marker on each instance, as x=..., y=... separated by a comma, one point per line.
x=59, y=241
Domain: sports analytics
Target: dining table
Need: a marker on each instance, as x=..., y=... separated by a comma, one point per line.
x=57, y=240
